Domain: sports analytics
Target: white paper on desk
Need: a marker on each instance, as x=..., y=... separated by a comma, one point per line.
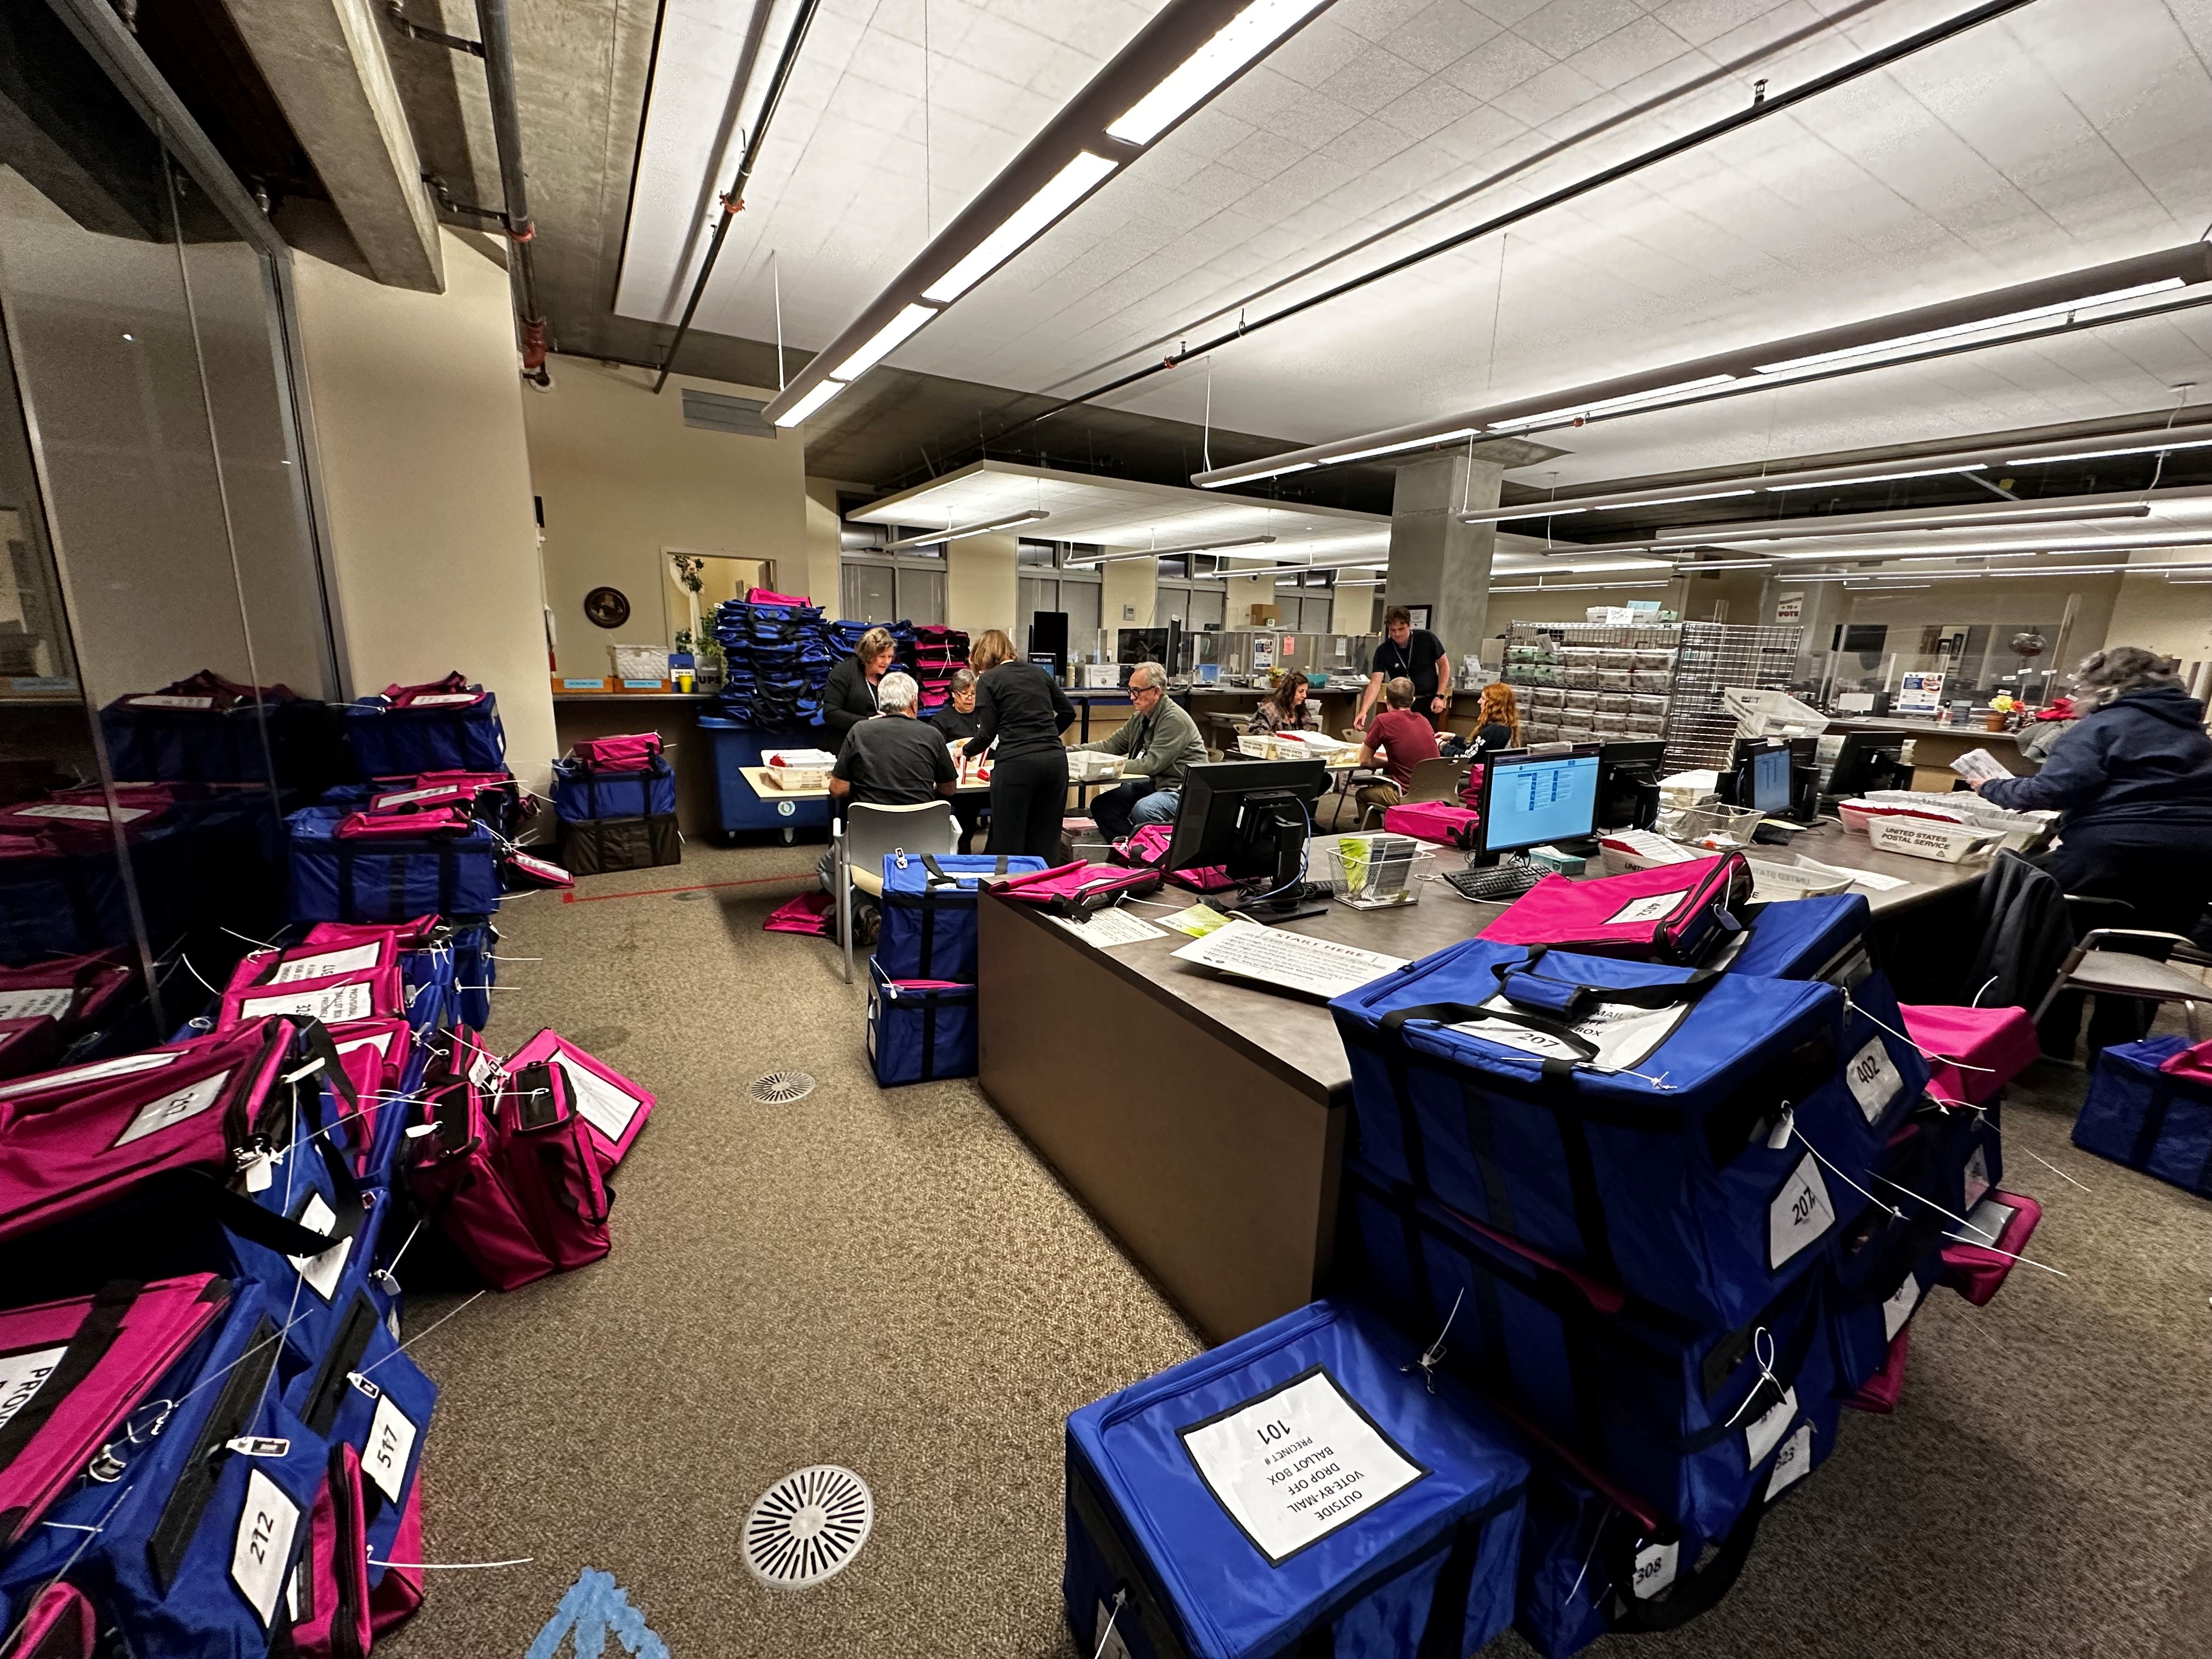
x=1979, y=766
x=1108, y=929
x=1866, y=878
x=1290, y=962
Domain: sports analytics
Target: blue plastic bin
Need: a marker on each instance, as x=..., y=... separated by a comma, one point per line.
x=737, y=807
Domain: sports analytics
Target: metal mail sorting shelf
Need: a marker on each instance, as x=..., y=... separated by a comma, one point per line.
x=1202, y=1118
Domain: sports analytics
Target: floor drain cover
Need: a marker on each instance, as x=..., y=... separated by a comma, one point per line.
x=781, y=1088
x=808, y=1527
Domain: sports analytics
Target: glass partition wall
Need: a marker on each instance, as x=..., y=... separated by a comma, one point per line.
x=162, y=554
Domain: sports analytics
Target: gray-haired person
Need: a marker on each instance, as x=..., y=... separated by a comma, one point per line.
x=956, y=722
x=1160, y=742
x=2133, y=779
x=890, y=759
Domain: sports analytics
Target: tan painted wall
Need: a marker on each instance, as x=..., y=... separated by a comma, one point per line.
x=1128, y=581
x=417, y=401
x=822, y=544
x=1244, y=592
x=2161, y=615
x=623, y=478
x=979, y=584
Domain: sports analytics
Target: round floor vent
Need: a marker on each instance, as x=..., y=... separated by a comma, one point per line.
x=808, y=1527
x=781, y=1088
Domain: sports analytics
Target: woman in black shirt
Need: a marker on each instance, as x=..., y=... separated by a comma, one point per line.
x=1021, y=710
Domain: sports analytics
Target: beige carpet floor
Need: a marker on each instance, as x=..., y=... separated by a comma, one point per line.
x=892, y=1281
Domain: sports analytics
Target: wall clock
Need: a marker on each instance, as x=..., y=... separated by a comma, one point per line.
x=607, y=606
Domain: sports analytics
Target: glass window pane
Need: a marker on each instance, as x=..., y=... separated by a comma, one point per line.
x=869, y=594
x=1208, y=607
x=1080, y=601
x=921, y=597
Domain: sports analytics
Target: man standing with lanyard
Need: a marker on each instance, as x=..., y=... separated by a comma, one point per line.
x=1418, y=656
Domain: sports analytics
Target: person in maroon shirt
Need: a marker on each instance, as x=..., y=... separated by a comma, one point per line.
x=1402, y=739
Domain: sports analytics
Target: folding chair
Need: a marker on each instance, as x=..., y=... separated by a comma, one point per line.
x=2092, y=968
x=1431, y=780
x=866, y=835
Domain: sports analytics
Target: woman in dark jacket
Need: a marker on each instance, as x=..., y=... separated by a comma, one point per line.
x=849, y=695
x=2133, y=779
x=1021, y=709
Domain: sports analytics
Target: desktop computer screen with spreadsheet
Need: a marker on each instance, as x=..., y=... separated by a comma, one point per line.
x=1528, y=800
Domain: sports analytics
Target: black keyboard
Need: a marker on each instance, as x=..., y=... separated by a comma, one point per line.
x=1495, y=883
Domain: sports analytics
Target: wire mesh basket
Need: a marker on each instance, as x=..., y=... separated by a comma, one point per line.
x=1373, y=872
x=1710, y=824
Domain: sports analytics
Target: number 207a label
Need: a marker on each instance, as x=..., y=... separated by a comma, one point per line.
x=1800, y=1214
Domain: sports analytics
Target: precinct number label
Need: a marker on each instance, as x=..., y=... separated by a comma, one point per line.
x=1656, y=907
x=1293, y=1465
x=262, y=1549
x=1872, y=1078
x=1799, y=1215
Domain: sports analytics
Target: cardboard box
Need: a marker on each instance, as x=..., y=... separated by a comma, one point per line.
x=1266, y=614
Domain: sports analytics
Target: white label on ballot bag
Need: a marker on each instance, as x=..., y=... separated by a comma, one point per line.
x=21, y=1376
x=1977, y=1175
x=321, y=1272
x=1294, y=1465
x=327, y=963
x=1656, y=1567
x=171, y=1109
x=1767, y=1428
x=263, y=1548
x=1800, y=1213
x=1792, y=1464
x=445, y=699
x=391, y=1442
x=158, y=701
x=402, y=797
x=602, y=1105
x=122, y=1066
x=1873, y=1079
x=81, y=814
x=1656, y=908
x=1625, y=1037
x=47, y=1002
x=1987, y=1222
x=332, y=1005
x=1899, y=1307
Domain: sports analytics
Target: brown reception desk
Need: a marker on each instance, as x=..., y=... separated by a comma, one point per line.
x=1202, y=1120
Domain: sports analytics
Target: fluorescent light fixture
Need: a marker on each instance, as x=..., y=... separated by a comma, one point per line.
x=1614, y=564
x=1674, y=501
x=885, y=341
x=2106, y=454
x=1170, y=552
x=1551, y=512
x=1021, y=227
x=1959, y=330
x=1410, y=443
x=1575, y=587
x=1725, y=564
x=1782, y=529
x=1882, y=477
x=1251, y=33
x=931, y=539
x=1934, y=551
x=1612, y=406
x=1900, y=587
x=812, y=401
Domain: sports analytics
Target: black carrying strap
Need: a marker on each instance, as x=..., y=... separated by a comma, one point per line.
x=103, y=1323
x=1696, y=1590
x=230, y=1416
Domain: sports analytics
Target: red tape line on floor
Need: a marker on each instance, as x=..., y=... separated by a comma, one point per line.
x=571, y=896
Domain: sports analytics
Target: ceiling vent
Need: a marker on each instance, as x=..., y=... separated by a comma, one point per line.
x=716, y=413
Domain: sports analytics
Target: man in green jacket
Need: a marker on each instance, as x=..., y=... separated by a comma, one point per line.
x=1160, y=740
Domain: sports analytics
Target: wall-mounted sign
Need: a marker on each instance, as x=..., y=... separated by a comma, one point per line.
x=1790, y=608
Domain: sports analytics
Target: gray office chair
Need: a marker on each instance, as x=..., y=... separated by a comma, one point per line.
x=867, y=835
x=2175, y=976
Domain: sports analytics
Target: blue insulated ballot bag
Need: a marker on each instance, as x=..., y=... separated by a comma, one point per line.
x=929, y=928
x=920, y=1031
x=1297, y=1491
x=1683, y=1134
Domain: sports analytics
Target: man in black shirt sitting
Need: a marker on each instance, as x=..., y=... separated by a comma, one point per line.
x=891, y=759
x=1414, y=653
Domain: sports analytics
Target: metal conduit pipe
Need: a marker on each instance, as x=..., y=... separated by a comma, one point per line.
x=1756, y=111
x=507, y=134
x=733, y=199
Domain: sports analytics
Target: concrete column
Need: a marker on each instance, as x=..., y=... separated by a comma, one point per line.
x=980, y=589
x=1127, y=589
x=426, y=481
x=1244, y=592
x=1437, y=560
x=823, y=565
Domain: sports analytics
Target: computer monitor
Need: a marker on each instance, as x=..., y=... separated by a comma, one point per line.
x=1529, y=799
x=1251, y=818
x=1628, y=784
x=1869, y=759
x=1770, y=780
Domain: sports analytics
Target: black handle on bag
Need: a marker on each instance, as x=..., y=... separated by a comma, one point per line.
x=1699, y=1590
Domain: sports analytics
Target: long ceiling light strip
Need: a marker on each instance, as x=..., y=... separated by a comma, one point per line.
x=1869, y=523
x=2150, y=284
x=953, y=533
x=1169, y=552
x=1188, y=51
x=1933, y=465
x=2106, y=454
x=1958, y=549
x=1575, y=587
